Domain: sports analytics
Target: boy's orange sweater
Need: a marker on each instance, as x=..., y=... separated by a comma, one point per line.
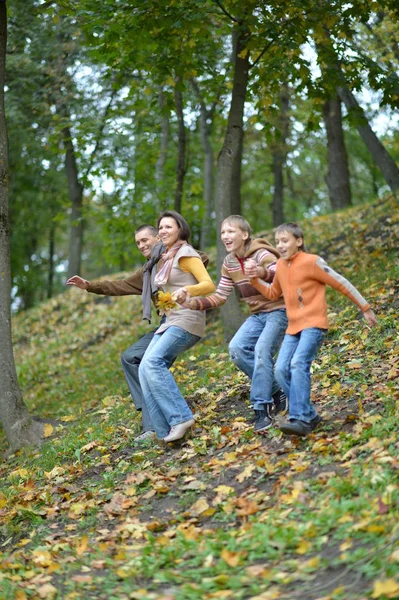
x=302, y=280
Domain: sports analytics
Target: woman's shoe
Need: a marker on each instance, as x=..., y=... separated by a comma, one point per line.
x=178, y=431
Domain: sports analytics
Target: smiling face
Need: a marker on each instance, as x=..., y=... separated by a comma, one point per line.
x=287, y=244
x=145, y=240
x=169, y=231
x=233, y=238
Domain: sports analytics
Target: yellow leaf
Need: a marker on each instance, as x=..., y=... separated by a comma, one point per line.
x=224, y=490
x=387, y=587
x=303, y=547
x=247, y=472
x=199, y=507
x=231, y=558
x=46, y=590
x=81, y=545
x=48, y=430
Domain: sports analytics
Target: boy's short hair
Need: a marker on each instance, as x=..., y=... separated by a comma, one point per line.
x=240, y=222
x=153, y=230
x=295, y=230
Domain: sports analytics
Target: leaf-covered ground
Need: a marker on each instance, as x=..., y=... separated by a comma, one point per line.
x=224, y=514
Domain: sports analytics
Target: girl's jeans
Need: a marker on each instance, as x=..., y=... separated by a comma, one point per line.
x=293, y=370
x=165, y=404
x=252, y=350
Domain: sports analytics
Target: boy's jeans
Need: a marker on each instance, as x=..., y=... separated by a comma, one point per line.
x=166, y=405
x=293, y=370
x=130, y=361
x=252, y=350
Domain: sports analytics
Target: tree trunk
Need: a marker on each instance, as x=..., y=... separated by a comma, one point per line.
x=51, y=246
x=379, y=153
x=75, y=190
x=19, y=428
x=160, y=166
x=226, y=164
x=337, y=177
x=279, y=156
x=181, y=153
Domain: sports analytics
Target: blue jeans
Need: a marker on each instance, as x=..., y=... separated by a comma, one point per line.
x=165, y=404
x=252, y=350
x=293, y=370
x=130, y=360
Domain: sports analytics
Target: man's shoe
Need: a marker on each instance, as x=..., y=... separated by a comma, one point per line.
x=263, y=419
x=178, y=431
x=280, y=402
x=315, y=422
x=296, y=427
x=144, y=438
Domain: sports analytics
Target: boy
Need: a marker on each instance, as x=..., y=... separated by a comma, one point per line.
x=302, y=279
x=253, y=347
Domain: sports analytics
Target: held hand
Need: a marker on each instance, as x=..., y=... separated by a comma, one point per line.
x=180, y=295
x=79, y=282
x=251, y=268
x=370, y=317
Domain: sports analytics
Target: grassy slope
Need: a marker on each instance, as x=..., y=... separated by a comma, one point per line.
x=225, y=514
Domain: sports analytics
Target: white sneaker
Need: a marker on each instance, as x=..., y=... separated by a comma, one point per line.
x=144, y=437
x=178, y=431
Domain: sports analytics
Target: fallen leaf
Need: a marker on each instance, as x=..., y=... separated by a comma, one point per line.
x=386, y=587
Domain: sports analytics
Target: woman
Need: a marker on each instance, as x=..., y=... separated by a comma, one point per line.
x=180, y=271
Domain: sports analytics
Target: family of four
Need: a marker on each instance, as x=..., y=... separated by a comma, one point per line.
x=284, y=288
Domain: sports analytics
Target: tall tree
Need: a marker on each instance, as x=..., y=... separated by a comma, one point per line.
x=337, y=177
x=19, y=427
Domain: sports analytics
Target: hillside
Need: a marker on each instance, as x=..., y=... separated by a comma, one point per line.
x=224, y=514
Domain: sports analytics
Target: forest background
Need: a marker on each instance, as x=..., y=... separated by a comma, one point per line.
x=118, y=110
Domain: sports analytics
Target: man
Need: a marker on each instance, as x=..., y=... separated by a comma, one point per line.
x=141, y=283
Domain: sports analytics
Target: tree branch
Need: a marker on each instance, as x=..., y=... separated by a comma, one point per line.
x=220, y=5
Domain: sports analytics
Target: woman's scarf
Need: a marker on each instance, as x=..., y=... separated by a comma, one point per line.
x=167, y=262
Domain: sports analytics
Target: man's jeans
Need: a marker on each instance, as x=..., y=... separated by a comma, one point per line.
x=293, y=370
x=163, y=399
x=130, y=361
x=252, y=350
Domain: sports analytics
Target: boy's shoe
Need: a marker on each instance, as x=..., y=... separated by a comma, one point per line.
x=280, y=402
x=315, y=422
x=178, y=431
x=263, y=419
x=296, y=427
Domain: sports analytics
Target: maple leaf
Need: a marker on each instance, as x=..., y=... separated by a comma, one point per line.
x=165, y=302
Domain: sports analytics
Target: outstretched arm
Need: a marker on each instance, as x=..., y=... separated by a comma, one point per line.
x=131, y=286
x=323, y=272
x=79, y=282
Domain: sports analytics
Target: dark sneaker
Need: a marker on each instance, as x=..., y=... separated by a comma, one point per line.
x=280, y=402
x=296, y=427
x=315, y=422
x=263, y=419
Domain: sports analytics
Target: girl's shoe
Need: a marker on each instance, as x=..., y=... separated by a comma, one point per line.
x=178, y=431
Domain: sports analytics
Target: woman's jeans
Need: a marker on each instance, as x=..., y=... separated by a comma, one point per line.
x=293, y=370
x=252, y=350
x=165, y=404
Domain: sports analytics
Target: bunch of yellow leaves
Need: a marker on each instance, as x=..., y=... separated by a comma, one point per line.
x=165, y=302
